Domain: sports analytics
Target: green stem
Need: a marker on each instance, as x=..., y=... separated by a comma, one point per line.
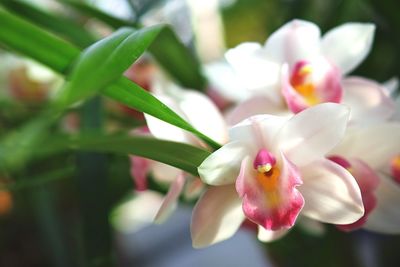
x=46, y=215
x=92, y=186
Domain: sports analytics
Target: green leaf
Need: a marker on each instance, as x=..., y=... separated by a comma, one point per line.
x=177, y=60
x=58, y=55
x=179, y=155
x=167, y=49
x=45, y=47
x=20, y=145
x=132, y=95
x=105, y=61
x=57, y=24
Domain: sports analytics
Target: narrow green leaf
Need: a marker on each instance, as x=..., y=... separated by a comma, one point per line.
x=105, y=61
x=134, y=96
x=42, y=46
x=58, y=55
x=179, y=155
x=57, y=24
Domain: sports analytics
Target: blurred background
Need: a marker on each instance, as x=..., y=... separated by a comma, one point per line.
x=81, y=208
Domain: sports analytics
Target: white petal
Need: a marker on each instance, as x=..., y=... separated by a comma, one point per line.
x=294, y=41
x=348, y=45
x=391, y=85
x=385, y=218
x=223, y=166
x=255, y=106
x=268, y=235
x=163, y=130
x=203, y=115
x=253, y=69
x=312, y=133
x=170, y=201
x=137, y=212
x=217, y=216
x=164, y=173
x=224, y=80
x=331, y=194
x=375, y=144
x=258, y=131
x=368, y=101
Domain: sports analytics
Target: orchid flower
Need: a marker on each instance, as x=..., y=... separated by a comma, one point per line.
x=372, y=155
x=272, y=170
x=296, y=69
x=198, y=110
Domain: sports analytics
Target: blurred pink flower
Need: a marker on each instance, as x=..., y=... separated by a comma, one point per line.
x=296, y=69
x=371, y=155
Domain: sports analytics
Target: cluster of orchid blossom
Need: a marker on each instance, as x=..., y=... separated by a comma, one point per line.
x=302, y=140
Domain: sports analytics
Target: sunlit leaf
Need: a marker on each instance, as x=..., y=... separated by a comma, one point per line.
x=105, y=61
x=88, y=77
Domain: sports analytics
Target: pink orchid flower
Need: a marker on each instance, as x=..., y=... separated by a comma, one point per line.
x=272, y=170
x=296, y=69
x=372, y=155
x=198, y=110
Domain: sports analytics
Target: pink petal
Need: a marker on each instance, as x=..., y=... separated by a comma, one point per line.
x=294, y=41
x=368, y=101
x=368, y=180
x=216, y=217
x=273, y=209
x=331, y=193
x=322, y=83
x=310, y=134
x=194, y=187
x=348, y=45
x=139, y=169
x=217, y=98
x=329, y=88
x=170, y=200
x=385, y=218
x=294, y=100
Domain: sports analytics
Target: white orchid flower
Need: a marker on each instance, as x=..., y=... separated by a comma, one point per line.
x=272, y=170
x=296, y=69
x=372, y=155
x=198, y=110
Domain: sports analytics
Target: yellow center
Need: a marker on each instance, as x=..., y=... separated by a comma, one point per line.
x=269, y=180
x=300, y=82
x=396, y=162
